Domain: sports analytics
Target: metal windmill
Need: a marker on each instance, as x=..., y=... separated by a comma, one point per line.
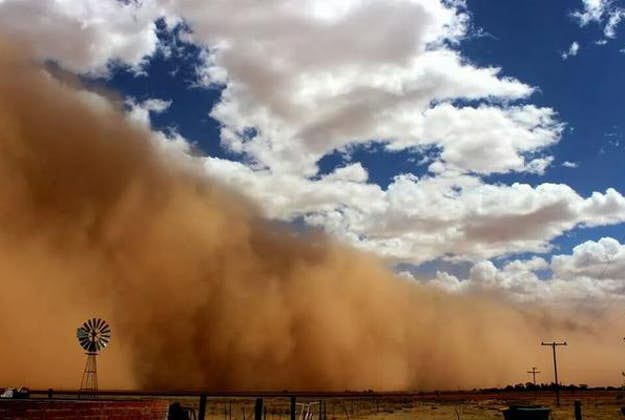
x=93, y=336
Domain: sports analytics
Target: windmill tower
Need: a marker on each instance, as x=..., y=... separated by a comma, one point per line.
x=93, y=336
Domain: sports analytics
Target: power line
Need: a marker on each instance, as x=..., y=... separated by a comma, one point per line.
x=533, y=372
x=553, y=345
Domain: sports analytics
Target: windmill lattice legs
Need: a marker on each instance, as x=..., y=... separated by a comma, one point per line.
x=89, y=382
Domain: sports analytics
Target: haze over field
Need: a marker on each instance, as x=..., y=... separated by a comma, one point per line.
x=100, y=218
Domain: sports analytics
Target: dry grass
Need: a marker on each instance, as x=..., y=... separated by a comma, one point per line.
x=445, y=406
x=461, y=406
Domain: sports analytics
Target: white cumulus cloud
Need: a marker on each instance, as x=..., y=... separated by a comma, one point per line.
x=594, y=272
x=313, y=77
x=140, y=111
x=84, y=36
x=419, y=219
x=602, y=12
x=572, y=51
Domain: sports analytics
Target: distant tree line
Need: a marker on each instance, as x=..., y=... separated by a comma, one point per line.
x=529, y=386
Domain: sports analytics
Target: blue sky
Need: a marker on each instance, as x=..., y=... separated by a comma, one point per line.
x=466, y=143
x=526, y=39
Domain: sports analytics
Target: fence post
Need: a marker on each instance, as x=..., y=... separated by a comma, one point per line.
x=202, y=410
x=49, y=393
x=258, y=409
x=578, y=410
x=293, y=408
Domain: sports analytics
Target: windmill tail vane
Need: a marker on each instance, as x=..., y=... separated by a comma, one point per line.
x=93, y=336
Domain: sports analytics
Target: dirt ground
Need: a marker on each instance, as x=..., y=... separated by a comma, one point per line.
x=462, y=406
x=596, y=404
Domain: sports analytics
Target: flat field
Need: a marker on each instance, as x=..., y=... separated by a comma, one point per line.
x=596, y=404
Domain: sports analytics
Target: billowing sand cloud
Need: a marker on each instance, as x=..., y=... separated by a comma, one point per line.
x=203, y=293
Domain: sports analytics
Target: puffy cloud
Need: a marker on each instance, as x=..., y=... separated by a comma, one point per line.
x=140, y=111
x=568, y=164
x=602, y=12
x=506, y=133
x=595, y=271
x=419, y=219
x=572, y=51
x=539, y=165
x=310, y=77
x=592, y=11
x=84, y=36
x=156, y=105
x=532, y=264
x=614, y=19
x=354, y=172
x=463, y=216
x=517, y=279
x=289, y=196
x=348, y=104
x=601, y=260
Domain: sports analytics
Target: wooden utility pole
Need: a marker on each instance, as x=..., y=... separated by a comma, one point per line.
x=533, y=372
x=553, y=345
